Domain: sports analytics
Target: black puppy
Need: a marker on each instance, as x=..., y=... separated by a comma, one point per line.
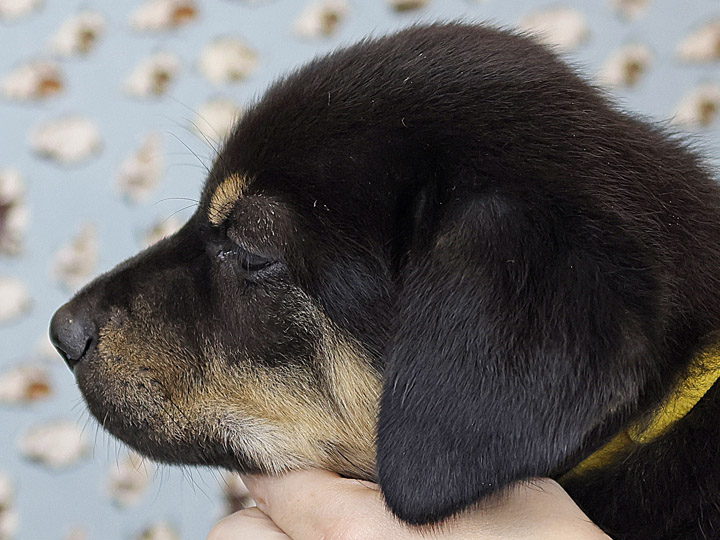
x=442, y=261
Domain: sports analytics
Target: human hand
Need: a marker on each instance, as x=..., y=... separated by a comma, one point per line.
x=315, y=505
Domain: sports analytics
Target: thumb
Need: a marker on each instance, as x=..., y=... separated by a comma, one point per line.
x=308, y=505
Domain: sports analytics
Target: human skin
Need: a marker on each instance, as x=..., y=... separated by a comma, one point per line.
x=319, y=505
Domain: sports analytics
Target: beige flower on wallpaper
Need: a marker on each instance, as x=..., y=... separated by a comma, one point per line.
x=701, y=45
x=157, y=15
x=159, y=531
x=631, y=9
x=24, y=384
x=14, y=298
x=67, y=140
x=153, y=76
x=215, y=119
x=17, y=9
x=226, y=60
x=140, y=173
x=77, y=533
x=79, y=35
x=700, y=107
x=321, y=18
x=57, y=444
x=8, y=512
x=160, y=230
x=33, y=81
x=75, y=262
x=129, y=478
x=626, y=66
x=562, y=27
x=14, y=213
x=407, y=5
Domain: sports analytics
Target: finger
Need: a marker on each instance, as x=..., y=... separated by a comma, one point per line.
x=537, y=508
x=317, y=504
x=247, y=524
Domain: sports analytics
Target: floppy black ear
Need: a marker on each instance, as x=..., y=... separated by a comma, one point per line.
x=522, y=326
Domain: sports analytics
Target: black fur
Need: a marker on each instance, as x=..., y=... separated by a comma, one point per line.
x=532, y=268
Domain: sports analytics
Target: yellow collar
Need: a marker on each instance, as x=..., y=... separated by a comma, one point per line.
x=703, y=373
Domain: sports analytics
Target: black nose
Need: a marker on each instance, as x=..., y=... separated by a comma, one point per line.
x=72, y=332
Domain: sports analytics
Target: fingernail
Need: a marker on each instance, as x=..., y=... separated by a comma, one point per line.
x=248, y=480
x=254, y=485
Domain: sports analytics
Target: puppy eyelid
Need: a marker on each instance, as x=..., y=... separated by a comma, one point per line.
x=251, y=262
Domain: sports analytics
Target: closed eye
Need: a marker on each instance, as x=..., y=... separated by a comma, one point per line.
x=251, y=262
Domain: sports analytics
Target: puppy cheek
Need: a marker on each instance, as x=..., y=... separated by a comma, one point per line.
x=323, y=418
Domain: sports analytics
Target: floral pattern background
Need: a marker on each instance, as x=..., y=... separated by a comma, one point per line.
x=110, y=114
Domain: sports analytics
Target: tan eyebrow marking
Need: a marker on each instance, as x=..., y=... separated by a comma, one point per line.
x=225, y=197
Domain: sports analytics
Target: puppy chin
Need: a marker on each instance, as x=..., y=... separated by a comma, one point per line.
x=130, y=404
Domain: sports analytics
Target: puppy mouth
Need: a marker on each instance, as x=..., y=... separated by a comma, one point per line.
x=117, y=398
x=133, y=405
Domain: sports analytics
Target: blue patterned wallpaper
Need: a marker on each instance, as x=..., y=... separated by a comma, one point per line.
x=110, y=113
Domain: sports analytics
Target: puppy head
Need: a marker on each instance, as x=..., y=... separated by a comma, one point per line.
x=404, y=266
x=207, y=349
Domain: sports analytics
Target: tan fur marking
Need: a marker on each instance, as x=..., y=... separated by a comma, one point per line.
x=280, y=419
x=225, y=197
x=286, y=421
